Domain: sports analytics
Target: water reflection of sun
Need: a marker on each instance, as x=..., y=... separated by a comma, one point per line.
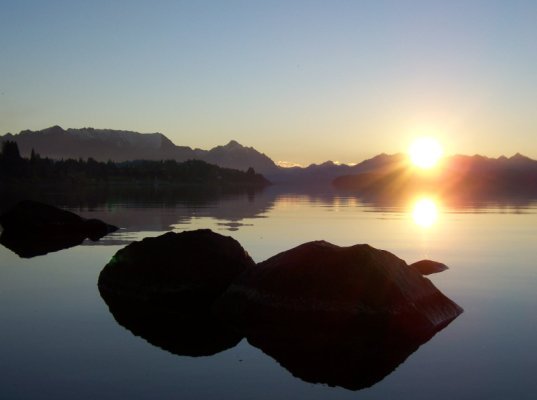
x=425, y=212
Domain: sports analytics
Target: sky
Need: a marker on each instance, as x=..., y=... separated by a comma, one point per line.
x=301, y=81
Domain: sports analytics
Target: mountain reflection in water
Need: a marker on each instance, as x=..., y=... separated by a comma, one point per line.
x=133, y=209
x=239, y=211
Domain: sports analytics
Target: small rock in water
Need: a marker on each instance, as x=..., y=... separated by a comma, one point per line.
x=427, y=267
x=32, y=228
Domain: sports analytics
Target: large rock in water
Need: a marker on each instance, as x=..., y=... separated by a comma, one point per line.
x=321, y=285
x=32, y=228
x=180, y=272
x=162, y=289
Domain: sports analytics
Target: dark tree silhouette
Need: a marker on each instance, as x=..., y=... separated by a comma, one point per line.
x=10, y=152
x=15, y=169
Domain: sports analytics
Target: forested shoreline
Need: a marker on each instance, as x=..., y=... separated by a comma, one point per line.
x=16, y=170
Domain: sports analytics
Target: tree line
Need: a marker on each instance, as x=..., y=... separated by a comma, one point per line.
x=16, y=169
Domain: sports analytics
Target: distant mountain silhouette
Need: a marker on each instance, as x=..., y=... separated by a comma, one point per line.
x=235, y=155
x=117, y=145
x=382, y=175
x=326, y=172
x=458, y=177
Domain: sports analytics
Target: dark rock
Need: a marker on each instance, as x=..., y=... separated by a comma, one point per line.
x=96, y=229
x=162, y=289
x=32, y=228
x=427, y=267
x=185, y=335
x=32, y=216
x=321, y=285
x=181, y=272
x=342, y=316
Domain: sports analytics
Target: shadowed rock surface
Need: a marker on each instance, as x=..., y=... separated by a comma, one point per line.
x=181, y=272
x=322, y=285
x=32, y=228
x=427, y=267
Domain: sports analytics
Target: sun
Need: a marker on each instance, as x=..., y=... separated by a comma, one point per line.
x=425, y=152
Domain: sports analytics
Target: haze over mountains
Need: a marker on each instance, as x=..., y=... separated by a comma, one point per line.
x=458, y=179
x=116, y=145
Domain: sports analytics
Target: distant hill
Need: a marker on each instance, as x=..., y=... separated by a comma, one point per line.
x=116, y=145
x=458, y=177
x=325, y=173
x=237, y=156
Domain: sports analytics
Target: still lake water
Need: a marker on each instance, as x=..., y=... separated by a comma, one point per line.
x=58, y=339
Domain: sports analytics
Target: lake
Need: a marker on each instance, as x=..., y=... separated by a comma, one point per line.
x=59, y=340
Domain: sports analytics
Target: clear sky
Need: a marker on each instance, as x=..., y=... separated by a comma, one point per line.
x=302, y=81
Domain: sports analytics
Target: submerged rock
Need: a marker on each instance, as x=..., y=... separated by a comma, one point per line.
x=321, y=285
x=427, y=267
x=32, y=228
x=181, y=272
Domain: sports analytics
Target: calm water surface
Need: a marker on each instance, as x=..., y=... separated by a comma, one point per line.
x=59, y=340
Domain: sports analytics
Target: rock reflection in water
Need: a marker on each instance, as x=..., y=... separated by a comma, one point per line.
x=350, y=359
x=27, y=245
x=353, y=359
x=181, y=334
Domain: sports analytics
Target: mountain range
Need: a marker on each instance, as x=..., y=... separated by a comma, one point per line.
x=116, y=145
x=374, y=175
x=457, y=178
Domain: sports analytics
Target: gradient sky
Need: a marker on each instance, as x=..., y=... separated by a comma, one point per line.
x=302, y=81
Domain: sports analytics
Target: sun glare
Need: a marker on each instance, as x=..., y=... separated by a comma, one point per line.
x=425, y=152
x=425, y=212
